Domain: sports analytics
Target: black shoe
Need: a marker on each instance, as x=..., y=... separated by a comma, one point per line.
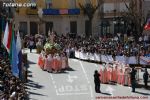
x=99, y=92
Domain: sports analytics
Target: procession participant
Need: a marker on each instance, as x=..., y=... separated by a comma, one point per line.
x=56, y=63
x=41, y=59
x=45, y=63
x=121, y=77
x=97, y=82
x=105, y=80
x=59, y=64
x=109, y=71
x=67, y=63
x=101, y=74
x=133, y=79
x=31, y=45
x=114, y=74
x=126, y=79
x=64, y=61
x=49, y=63
x=145, y=77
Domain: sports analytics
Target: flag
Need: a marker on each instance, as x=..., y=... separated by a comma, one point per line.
x=63, y=11
x=7, y=37
x=19, y=53
x=147, y=25
x=2, y=28
x=13, y=55
x=18, y=43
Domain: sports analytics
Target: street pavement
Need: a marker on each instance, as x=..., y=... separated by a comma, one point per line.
x=75, y=83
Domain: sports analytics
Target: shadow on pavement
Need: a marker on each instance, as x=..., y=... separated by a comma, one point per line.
x=105, y=93
x=29, y=71
x=33, y=93
x=30, y=62
x=34, y=85
x=70, y=69
x=142, y=93
x=142, y=86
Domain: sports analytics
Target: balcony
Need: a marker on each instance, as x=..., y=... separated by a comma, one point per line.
x=31, y=11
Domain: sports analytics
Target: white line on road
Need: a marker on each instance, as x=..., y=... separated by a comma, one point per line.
x=54, y=84
x=87, y=79
x=52, y=77
x=96, y=65
x=91, y=91
x=71, y=93
x=84, y=72
x=57, y=92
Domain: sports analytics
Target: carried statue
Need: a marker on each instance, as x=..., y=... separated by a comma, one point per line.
x=51, y=47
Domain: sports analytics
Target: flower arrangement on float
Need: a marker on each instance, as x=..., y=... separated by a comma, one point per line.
x=52, y=48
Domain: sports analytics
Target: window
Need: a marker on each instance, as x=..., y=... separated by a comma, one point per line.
x=72, y=3
x=49, y=27
x=73, y=27
x=23, y=28
x=108, y=7
x=48, y=3
x=33, y=28
x=123, y=7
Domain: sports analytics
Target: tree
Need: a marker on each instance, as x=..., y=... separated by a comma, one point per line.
x=134, y=17
x=89, y=9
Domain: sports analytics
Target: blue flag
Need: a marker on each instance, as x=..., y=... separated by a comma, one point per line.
x=19, y=53
x=14, y=57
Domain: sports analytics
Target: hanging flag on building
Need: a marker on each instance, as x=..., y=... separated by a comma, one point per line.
x=147, y=25
x=63, y=11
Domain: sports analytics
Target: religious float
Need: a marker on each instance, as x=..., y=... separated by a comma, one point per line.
x=52, y=58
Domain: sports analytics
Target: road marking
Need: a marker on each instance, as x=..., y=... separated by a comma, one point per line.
x=57, y=92
x=72, y=93
x=71, y=88
x=70, y=78
x=54, y=84
x=96, y=65
x=84, y=72
x=52, y=77
x=91, y=91
x=87, y=79
x=110, y=90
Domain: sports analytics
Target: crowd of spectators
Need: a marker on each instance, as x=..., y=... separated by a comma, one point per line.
x=116, y=45
x=11, y=87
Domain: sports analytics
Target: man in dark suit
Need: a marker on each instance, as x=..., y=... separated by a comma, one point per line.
x=97, y=81
x=145, y=77
x=133, y=79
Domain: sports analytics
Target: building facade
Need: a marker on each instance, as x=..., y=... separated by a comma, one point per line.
x=146, y=8
x=65, y=16
x=62, y=16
